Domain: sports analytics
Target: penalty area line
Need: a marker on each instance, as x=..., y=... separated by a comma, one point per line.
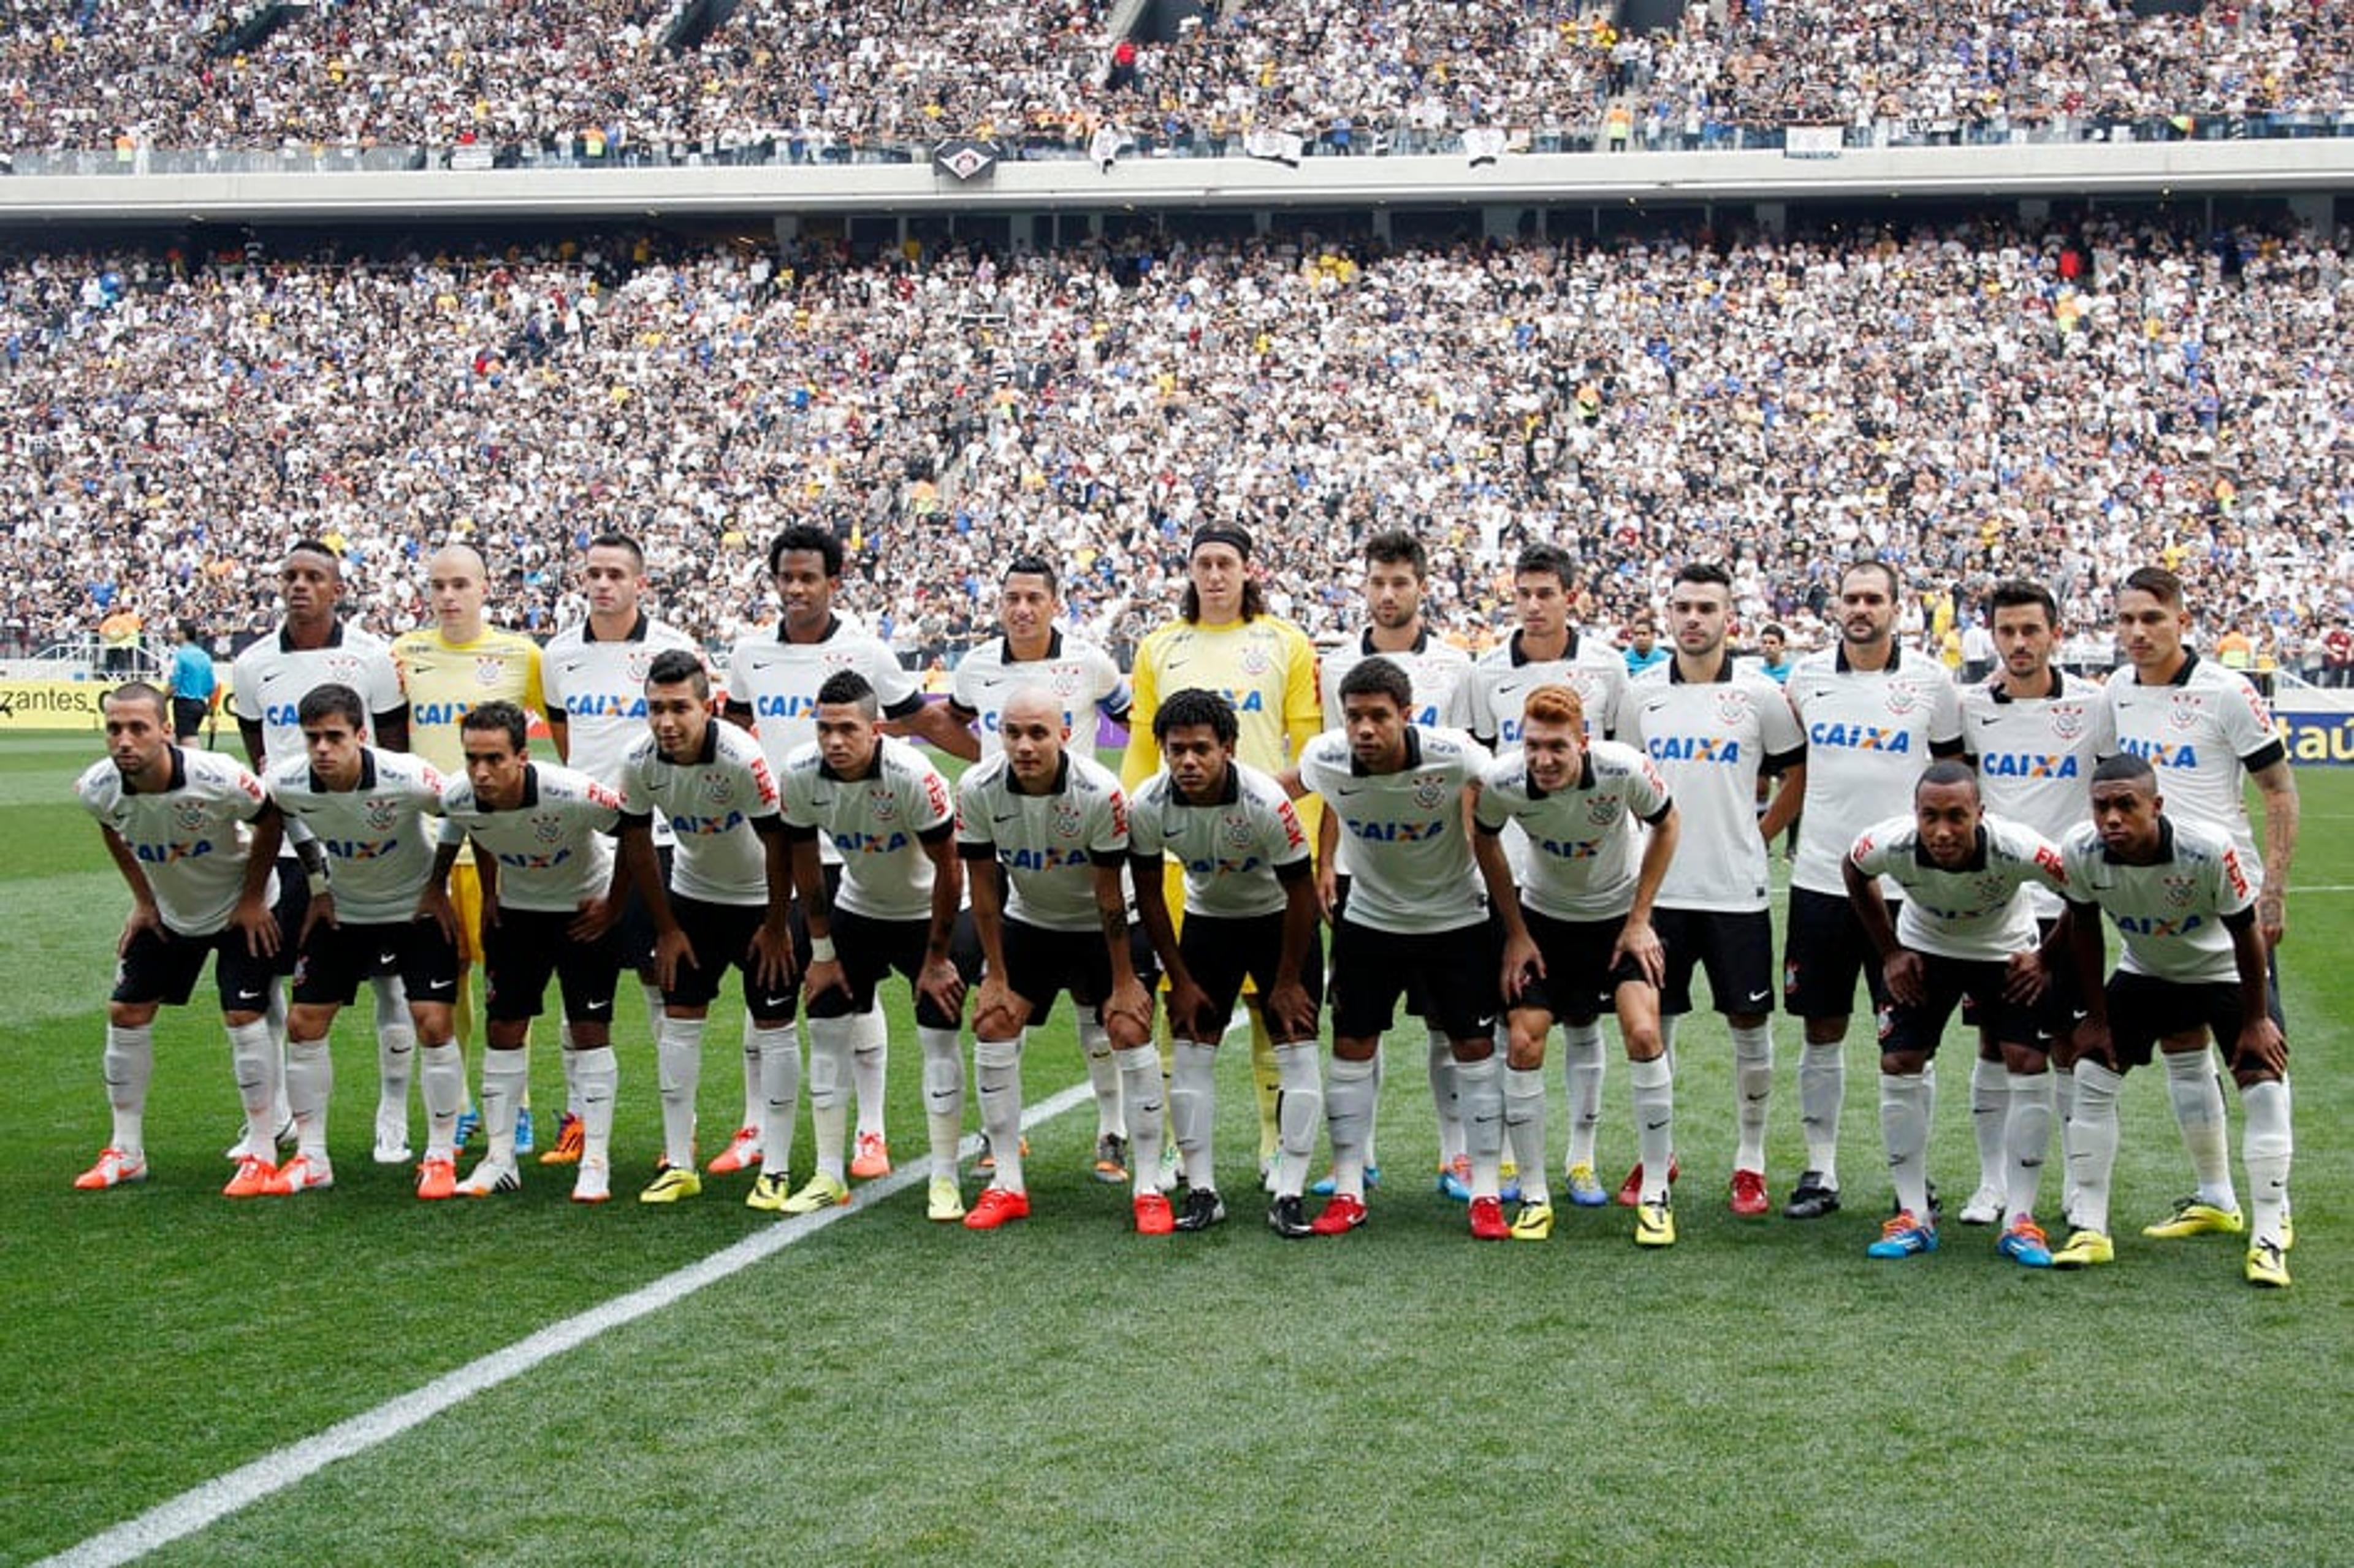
x=203, y=1505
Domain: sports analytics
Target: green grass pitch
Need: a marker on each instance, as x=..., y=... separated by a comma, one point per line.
x=1065, y=1391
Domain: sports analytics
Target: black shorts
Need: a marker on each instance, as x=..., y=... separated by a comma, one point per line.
x=527, y=945
x=634, y=935
x=870, y=948
x=1370, y=970
x=1823, y=952
x=1417, y=995
x=1736, y=949
x=1042, y=964
x=2062, y=1003
x=337, y=958
x=163, y=966
x=1580, y=982
x=721, y=935
x=1944, y=983
x=189, y=718
x=2144, y=1010
x=1220, y=951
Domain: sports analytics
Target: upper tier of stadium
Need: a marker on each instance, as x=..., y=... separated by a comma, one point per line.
x=149, y=85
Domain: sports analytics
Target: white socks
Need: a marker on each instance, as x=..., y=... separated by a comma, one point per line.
x=832, y=1041
x=2026, y=1140
x=1524, y=1129
x=1478, y=1085
x=253, y=1059
x=505, y=1076
x=1822, y=1088
x=128, y=1066
x=595, y=1079
x=1989, y=1110
x=1139, y=1084
x=870, y=1060
x=1300, y=1112
x=997, y=1079
x=1752, y=1090
x=1349, y=1116
x=943, y=1098
x=396, y=1050
x=310, y=1081
x=2265, y=1144
x=1905, y=1123
x=1654, y=1084
x=678, y=1069
x=1582, y=1070
x=1193, y=1109
x=2092, y=1143
x=444, y=1085
x=779, y=1053
x=1103, y=1076
x=2198, y=1095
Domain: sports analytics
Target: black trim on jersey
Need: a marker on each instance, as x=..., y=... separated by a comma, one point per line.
x=703, y=759
x=1413, y=756
x=1512, y=647
x=1779, y=762
x=1585, y=776
x=530, y=789
x=1722, y=677
x=2181, y=677
x=635, y=819
x=1978, y=860
x=1006, y=661
x=1661, y=814
x=1365, y=648
x=832, y=625
x=178, y=780
x=2264, y=756
x=2240, y=920
x=1941, y=749
x=2165, y=848
x=334, y=637
x=2058, y=688
x=977, y=852
x=1234, y=793
x=873, y=768
x=1840, y=664
x=636, y=633
x=1061, y=784
x=935, y=832
x=914, y=705
x=1106, y=857
x=795, y=834
x=771, y=825
x=367, y=773
x=1291, y=870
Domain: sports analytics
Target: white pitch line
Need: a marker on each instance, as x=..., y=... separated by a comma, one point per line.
x=202, y=1506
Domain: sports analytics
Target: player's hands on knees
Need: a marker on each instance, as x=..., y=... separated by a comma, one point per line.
x=998, y=1013
x=2027, y=981
x=434, y=905
x=1901, y=969
x=321, y=911
x=771, y=953
x=260, y=926
x=595, y=917
x=939, y=980
x=1130, y=1011
x=143, y=918
x=824, y=975
x=1290, y=1012
x=670, y=947
x=1638, y=941
x=2090, y=1041
x=1522, y=963
x=2262, y=1043
x=1189, y=1010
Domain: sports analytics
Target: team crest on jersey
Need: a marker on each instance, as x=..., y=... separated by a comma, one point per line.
x=2181, y=890
x=379, y=813
x=1068, y=822
x=2183, y=710
x=719, y=787
x=489, y=669
x=881, y=803
x=547, y=826
x=1902, y=698
x=1255, y=660
x=1234, y=831
x=833, y=660
x=344, y=669
x=2067, y=720
x=188, y=815
x=1602, y=810
x=1429, y=790
x=1732, y=707
x=1066, y=680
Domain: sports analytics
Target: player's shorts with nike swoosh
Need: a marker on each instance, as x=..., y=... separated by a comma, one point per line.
x=1736, y=948
x=162, y=966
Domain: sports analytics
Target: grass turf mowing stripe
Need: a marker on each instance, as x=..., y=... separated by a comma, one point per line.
x=194, y=1509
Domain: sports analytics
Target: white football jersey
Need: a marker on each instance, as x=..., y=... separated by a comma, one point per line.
x=269, y=681
x=2204, y=732
x=1079, y=674
x=191, y=839
x=1870, y=734
x=1439, y=672
x=1583, y=846
x=878, y=823
x=713, y=804
x=554, y=848
x=1049, y=844
x=2169, y=915
x=1978, y=913
x=599, y=687
x=1230, y=847
x=2035, y=757
x=1709, y=740
x=379, y=850
x=1410, y=869
x=1504, y=677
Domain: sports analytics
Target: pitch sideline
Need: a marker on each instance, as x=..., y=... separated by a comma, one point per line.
x=201, y=1506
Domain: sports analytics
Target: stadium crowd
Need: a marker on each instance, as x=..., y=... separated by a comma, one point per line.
x=1969, y=402
x=825, y=79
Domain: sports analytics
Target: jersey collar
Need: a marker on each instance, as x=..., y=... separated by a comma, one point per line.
x=832, y=625
x=1421, y=643
x=1226, y=797
x=179, y=779
x=707, y=753
x=874, y=768
x=286, y=637
x=1053, y=647
x=2059, y=685
x=1895, y=657
x=367, y=773
x=2190, y=663
x=1061, y=784
x=636, y=633
x=1568, y=649
x=1724, y=675
x=530, y=787
x=1413, y=756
